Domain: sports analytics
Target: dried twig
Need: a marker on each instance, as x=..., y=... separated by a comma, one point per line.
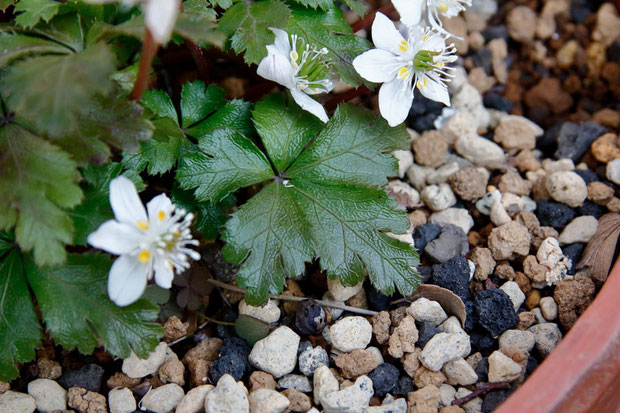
x=481, y=388
x=298, y=299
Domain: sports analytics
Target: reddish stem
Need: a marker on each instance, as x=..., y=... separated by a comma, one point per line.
x=367, y=20
x=201, y=60
x=481, y=388
x=149, y=50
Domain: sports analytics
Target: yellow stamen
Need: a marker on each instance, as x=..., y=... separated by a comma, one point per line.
x=403, y=72
x=144, y=256
x=419, y=84
x=294, y=55
x=443, y=8
x=161, y=215
x=425, y=37
x=142, y=224
x=403, y=46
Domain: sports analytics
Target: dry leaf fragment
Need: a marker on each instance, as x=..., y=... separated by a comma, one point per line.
x=600, y=250
x=450, y=302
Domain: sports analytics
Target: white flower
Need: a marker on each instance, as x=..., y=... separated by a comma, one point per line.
x=151, y=241
x=411, y=11
x=300, y=67
x=159, y=15
x=401, y=64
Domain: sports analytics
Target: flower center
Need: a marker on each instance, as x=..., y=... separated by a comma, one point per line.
x=311, y=66
x=144, y=256
x=423, y=61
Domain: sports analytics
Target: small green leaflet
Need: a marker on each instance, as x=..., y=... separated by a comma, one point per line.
x=38, y=182
x=20, y=331
x=33, y=11
x=78, y=313
x=324, y=200
x=247, y=26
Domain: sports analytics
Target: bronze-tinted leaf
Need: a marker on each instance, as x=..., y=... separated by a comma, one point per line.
x=600, y=250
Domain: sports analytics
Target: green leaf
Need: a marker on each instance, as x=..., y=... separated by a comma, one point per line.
x=158, y=102
x=234, y=116
x=284, y=130
x=247, y=25
x=198, y=101
x=52, y=99
x=210, y=216
x=269, y=237
x=5, y=4
x=78, y=313
x=17, y=46
x=37, y=181
x=33, y=11
x=199, y=28
x=160, y=153
x=20, y=330
x=324, y=4
x=66, y=29
x=357, y=7
x=156, y=294
x=329, y=29
x=251, y=329
x=227, y=161
x=353, y=148
x=354, y=220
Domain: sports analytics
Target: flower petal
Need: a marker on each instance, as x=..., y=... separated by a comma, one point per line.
x=161, y=203
x=410, y=10
x=277, y=68
x=377, y=65
x=384, y=34
x=309, y=104
x=395, y=99
x=163, y=273
x=434, y=90
x=127, y=280
x=115, y=237
x=125, y=202
x=282, y=43
x=160, y=17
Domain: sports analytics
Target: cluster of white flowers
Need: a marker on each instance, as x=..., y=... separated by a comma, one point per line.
x=415, y=56
x=149, y=242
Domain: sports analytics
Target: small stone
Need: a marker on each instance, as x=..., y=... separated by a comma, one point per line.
x=405, y=160
x=515, y=294
x=599, y=193
x=295, y=381
x=121, y=400
x=453, y=216
x=438, y=197
x=136, y=368
x=573, y=140
x=519, y=339
x=547, y=336
x=478, y=77
x=561, y=165
x=381, y=326
x=396, y=406
x=521, y=23
x=580, y=229
x=453, y=275
x=424, y=309
x=509, y=240
x=469, y=183
x=554, y=214
x=49, y=369
x=423, y=377
x=299, y=402
x=174, y=329
x=311, y=359
x=163, y=399
x=483, y=259
x=311, y=317
x=502, y=368
x=550, y=255
x=85, y=401
x=441, y=174
x=613, y=171
x=269, y=313
x=526, y=319
x=356, y=363
x=484, y=204
x=459, y=372
x=261, y=380
x=267, y=401
x=504, y=271
x=172, y=371
x=479, y=150
x=194, y=400
x=350, y=333
x=352, y=399
x=459, y=124
x=122, y=380
x=607, y=28
x=403, y=337
x=511, y=182
x=88, y=377
x=341, y=292
x=573, y=297
x=48, y=395
x=442, y=348
x=406, y=196
x=605, y=149
x=425, y=400
x=430, y=149
x=424, y=234
x=549, y=308
x=384, y=379
x=233, y=359
x=426, y=332
x=447, y=394
x=228, y=396
x=411, y=362
x=499, y=216
x=14, y=402
x=526, y=161
x=515, y=133
x=495, y=311
x=567, y=188
x=277, y=353
x=533, y=299
x=451, y=243
x=417, y=175
x=472, y=406
x=324, y=383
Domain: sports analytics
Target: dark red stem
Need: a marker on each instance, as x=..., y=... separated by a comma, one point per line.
x=481, y=388
x=200, y=58
x=149, y=50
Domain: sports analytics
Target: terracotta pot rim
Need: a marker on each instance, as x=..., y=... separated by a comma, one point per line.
x=582, y=374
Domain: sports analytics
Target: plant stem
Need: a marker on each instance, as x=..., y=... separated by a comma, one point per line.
x=149, y=50
x=201, y=60
x=298, y=299
x=481, y=388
